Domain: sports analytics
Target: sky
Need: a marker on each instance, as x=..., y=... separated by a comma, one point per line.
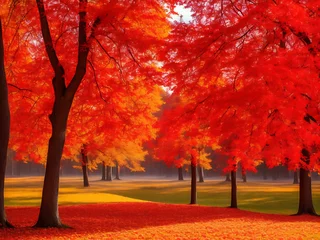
x=184, y=12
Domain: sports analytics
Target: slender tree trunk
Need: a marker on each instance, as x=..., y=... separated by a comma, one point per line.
x=193, y=183
x=305, y=190
x=264, y=171
x=180, y=174
x=84, y=164
x=4, y=130
x=234, y=189
x=296, y=177
x=109, y=173
x=103, y=172
x=117, y=169
x=275, y=174
x=228, y=177
x=244, y=175
x=265, y=176
x=200, y=173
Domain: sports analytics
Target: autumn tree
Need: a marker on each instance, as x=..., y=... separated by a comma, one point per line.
x=123, y=33
x=261, y=52
x=4, y=127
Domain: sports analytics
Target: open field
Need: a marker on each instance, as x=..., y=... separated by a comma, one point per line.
x=162, y=221
x=262, y=196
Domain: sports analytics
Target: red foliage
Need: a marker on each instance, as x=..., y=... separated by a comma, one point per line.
x=160, y=221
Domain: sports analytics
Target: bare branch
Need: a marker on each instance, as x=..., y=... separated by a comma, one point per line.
x=96, y=81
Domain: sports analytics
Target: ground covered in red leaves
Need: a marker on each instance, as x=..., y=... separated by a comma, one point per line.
x=161, y=221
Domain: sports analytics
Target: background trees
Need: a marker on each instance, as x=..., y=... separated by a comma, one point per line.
x=261, y=53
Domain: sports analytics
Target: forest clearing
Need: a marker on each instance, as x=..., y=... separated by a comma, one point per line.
x=159, y=119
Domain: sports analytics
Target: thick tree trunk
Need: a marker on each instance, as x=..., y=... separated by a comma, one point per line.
x=193, y=183
x=200, y=173
x=49, y=214
x=103, y=171
x=4, y=130
x=305, y=194
x=84, y=164
x=234, y=203
x=109, y=173
x=228, y=177
x=305, y=190
x=180, y=174
x=295, y=177
x=117, y=169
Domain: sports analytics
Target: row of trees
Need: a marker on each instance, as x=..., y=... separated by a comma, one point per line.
x=243, y=79
x=246, y=75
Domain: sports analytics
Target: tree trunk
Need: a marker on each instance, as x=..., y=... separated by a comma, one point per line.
x=117, y=169
x=4, y=131
x=200, y=173
x=49, y=215
x=109, y=173
x=193, y=183
x=275, y=173
x=234, y=189
x=103, y=172
x=305, y=194
x=180, y=174
x=228, y=177
x=265, y=176
x=305, y=190
x=244, y=175
x=264, y=171
x=84, y=164
x=63, y=98
x=295, y=177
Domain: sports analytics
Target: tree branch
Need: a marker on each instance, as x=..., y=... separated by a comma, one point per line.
x=83, y=48
x=58, y=81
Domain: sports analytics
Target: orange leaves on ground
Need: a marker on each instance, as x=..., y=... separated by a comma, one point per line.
x=162, y=221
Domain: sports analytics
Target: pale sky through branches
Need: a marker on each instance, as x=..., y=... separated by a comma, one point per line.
x=184, y=12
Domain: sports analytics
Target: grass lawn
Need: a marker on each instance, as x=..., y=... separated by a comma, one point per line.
x=260, y=196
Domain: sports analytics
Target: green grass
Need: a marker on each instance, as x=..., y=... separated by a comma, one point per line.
x=261, y=196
